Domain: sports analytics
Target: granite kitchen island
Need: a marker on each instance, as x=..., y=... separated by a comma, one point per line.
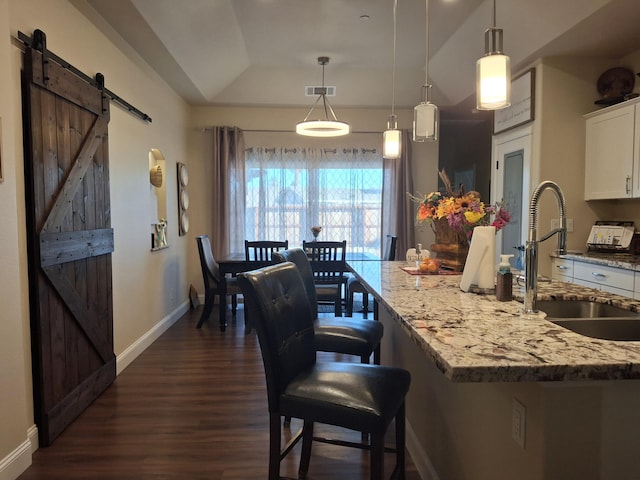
x=473, y=359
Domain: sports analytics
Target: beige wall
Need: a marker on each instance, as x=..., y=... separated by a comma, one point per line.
x=150, y=290
x=15, y=368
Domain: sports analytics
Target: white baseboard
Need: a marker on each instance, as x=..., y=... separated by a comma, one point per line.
x=32, y=434
x=136, y=348
x=419, y=456
x=14, y=464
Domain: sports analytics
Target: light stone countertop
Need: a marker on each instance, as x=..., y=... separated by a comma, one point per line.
x=616, y=260
x=474, y=338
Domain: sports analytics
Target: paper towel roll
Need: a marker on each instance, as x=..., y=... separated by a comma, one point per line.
x=487, y=271
x=479, y=268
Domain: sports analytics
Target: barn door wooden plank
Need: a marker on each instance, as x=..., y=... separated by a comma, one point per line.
x=63, y=83
x=81, y=163
x=87, y=317
x=68, y=246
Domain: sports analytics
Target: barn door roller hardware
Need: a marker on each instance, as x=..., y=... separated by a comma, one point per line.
x=39, y=42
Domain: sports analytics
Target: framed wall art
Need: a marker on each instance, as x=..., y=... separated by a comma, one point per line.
x=521, y=110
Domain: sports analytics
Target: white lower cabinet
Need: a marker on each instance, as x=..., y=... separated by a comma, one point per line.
x=607, y=279
x=562, y=270
x=600, y=277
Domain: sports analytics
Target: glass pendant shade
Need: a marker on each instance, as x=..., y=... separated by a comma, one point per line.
x=493, y=73
x=426, y=121
x=392, y=140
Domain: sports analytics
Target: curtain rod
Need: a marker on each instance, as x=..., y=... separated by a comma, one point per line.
x=204, y=129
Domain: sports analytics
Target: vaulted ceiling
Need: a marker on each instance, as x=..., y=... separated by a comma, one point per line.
x=264, y=52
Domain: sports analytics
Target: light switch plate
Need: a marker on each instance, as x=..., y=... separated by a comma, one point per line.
x=518, y=422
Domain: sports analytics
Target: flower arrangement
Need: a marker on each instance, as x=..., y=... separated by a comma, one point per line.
x=315, y=230
x=458, y=210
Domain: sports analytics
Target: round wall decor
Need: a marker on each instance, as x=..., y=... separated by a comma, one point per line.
x=183, y=199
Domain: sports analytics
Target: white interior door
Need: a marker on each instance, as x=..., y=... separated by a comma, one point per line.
x=510, y=180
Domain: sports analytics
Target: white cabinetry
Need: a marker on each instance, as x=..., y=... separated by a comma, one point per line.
x=612, y=152
x=562, y=270
x=607, y=279
x=600, y=277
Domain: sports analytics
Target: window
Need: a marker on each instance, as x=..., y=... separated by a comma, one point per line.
x=289, y=190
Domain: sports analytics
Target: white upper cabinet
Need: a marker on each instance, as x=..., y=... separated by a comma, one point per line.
x=612, y=153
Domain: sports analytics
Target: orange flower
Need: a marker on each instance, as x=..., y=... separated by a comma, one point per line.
x=424, y=212
x=462, y=210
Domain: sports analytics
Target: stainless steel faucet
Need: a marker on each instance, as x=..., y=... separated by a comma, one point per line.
x=531, y=247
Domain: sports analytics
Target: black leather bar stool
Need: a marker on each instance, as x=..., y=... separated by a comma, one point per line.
x=365, y=398
x=335, y=334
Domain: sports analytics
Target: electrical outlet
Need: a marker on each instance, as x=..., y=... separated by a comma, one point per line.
x=555, y=223
x=518, y=422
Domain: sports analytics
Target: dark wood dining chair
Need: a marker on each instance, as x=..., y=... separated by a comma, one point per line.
x=215, y=284
x=261, y=250
x=365, y=398
x=355, y=286
x=329, y=265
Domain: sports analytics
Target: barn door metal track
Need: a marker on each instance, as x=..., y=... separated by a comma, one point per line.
x=39, y=42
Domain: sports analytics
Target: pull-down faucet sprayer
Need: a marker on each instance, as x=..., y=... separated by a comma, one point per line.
x=531, y=248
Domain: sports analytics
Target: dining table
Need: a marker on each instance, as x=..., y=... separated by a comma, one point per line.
x=236, y=262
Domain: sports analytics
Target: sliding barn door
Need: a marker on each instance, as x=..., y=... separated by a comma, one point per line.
x=70, y=241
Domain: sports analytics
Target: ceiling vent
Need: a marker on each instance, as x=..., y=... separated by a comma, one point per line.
x=315, y=91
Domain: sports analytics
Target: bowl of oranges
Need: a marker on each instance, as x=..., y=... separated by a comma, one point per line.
x=429, y=266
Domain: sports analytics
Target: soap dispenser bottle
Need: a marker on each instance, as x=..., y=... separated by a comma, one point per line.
x=504, y=280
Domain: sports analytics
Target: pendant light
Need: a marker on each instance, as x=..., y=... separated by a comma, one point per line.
x=330, y=126
x=392, y=138
x=493, y=73
x=426, y=122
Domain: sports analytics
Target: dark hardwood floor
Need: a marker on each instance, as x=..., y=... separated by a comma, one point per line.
x=192, y=406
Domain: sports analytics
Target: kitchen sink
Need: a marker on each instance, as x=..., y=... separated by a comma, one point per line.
x=605, y=328
x=593, y=319
x=581, y=309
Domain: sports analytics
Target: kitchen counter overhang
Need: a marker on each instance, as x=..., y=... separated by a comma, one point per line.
x=474, y=338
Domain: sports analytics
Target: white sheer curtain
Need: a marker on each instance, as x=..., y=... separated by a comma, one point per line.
x=291, y=189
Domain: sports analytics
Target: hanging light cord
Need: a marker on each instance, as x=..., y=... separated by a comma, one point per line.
x=494, y=14
x=393, y=73
x=426, y=45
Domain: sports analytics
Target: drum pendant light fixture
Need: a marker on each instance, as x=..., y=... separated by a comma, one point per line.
x=329, y=126
x=426, y=121
x=493, y=72
x=392, y=138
